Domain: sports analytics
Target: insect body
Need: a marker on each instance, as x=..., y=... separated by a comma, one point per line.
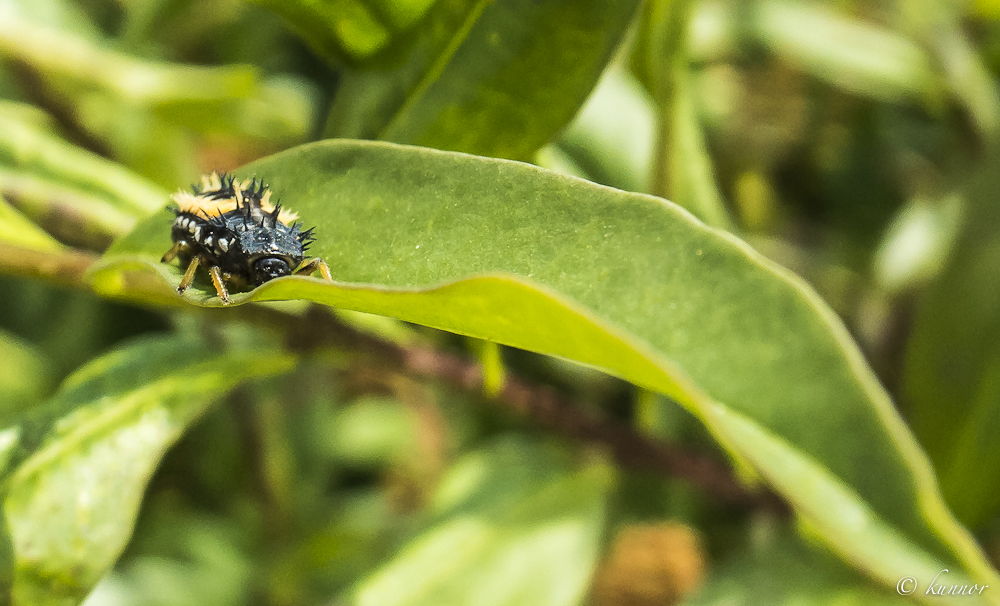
x=233, y=229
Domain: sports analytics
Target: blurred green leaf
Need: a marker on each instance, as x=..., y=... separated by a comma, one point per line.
x=553, y=157
x=629, y=283
x=784, y=569
x=337, y=29
x=146, y=112
x=207, y=566
x=19, y=230
x=60, y=54
x=77, y=217
x=490, y=78
x=849, y=53
x=688, y=162
x=30, y=147
x=940, y=26
x=917, y=243
x=70, y=327
x=25, y=376
x=519, y=526
x=54, y=13
x=952, y=371
x=75, y=469
x=612, y=136
x=372, y=431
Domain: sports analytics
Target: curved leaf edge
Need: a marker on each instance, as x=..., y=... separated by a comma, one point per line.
x=844, y=522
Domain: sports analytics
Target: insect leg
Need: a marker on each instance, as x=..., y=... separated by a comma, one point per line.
x=176, y=249
x=188, y=274
x=220, y=284
x=310, y=266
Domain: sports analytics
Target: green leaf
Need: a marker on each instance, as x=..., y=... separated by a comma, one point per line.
x=833, y=510
x=940, y=28
x=783, y=569
x=917, y=242
x=75, y=468
x=338, y=29
x=491, y=78
x=372, y=431
x=59, y=54
x=852, y=54
x=144, y=112
x=19, y=230
x=612, y=135
x=952, y=372
x=94, y=222
x=519, y=526
x=688, y=164
x=29, y=147
x=25, y=376
x=625, y=282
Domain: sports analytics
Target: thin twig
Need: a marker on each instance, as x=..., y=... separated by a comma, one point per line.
x=540, y=403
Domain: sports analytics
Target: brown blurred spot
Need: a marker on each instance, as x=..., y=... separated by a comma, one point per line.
x=650, y=565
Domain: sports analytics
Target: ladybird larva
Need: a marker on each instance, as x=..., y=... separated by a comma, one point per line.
x=233, y=229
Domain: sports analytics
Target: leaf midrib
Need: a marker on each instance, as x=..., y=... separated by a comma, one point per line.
x=437, y=67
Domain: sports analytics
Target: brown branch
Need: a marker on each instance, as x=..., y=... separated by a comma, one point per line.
x=540, y=403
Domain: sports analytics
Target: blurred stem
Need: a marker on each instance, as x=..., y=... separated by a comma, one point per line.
x=542, y=404
x=665, y=57
x=432, y=433
x=491, y=360
x=683, y=169
x=58, y=106
x=275, y=462
x=64, y=267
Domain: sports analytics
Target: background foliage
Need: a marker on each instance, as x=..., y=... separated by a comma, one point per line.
x=671, y=415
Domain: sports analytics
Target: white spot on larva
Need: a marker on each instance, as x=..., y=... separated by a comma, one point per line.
x=197, y=232
x=208, y=241
x=224, y=245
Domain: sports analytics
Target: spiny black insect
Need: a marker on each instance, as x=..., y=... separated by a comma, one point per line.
x=232, y=228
